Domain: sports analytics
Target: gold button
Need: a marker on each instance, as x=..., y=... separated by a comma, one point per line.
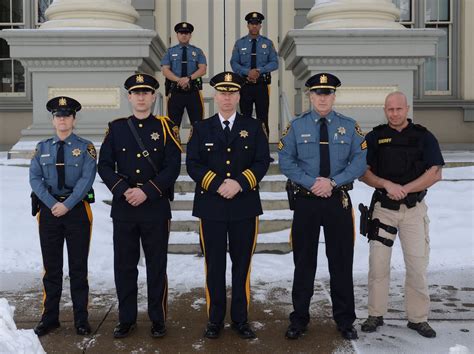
x=228, y=174
x=229, y=149
x=124, y=149
x=137, y=171
x=202, y=192
x=140, y=125
x=208, y=149
x=139, y=155
x=155, y=149
x=246, y=147
x=227, y=162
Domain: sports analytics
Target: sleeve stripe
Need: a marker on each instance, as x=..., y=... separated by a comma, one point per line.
x=206, y=181
x=115, y=185
x=154, y=185
x=253, y=176
x=250, y=177
x=210, y=180
x=206, y=176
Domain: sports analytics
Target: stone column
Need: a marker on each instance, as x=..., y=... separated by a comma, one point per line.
x=91, y=13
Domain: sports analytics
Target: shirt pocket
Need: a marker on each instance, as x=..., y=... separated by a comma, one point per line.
x=47, y=165
x=343, y=147
x=73, y=171
x=245, y=56
x=306, y=146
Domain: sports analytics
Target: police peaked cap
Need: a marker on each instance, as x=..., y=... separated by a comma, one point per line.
x=63, y=106
x=254, y=17
x=184, y=27
x=141, y=82
x=323, y=83
x=227, y=81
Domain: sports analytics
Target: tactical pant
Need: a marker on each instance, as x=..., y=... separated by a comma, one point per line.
x=338, y=224
x=413, y=230
x=154, y=239
x=74, y=227
x=242, y=241
x=191, y=100
x=259, y=94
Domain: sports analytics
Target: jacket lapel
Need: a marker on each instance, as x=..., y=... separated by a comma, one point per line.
x=236, y=128
x=217, y=129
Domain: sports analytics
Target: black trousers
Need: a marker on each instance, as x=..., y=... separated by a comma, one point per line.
x=154, y=238
x=309, y=215
x=242, y=241
x=260, y=95
x=74, y=227
x=192, y=101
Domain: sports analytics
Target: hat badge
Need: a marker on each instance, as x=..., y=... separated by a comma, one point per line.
x=323, y=79
x=254, y=15
x=185, y=25
x=228, y=78
x=139, y=79
x=62, y=101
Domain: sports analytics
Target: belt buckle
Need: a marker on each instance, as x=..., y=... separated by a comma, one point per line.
x=145, y=153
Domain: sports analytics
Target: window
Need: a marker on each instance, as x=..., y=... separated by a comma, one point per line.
x=436, y=76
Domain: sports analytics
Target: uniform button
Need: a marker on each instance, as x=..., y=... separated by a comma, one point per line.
x=227, y=162
x=342, y=141
x=202, y=192
x=140, y=125
x=124, y=149
x=305, y=141
x=76, y=165
x=137, y=171
x=208, y=149
x=155, y=149
x=139, y=155
x=228, y=174
x=246, y=147
x=229, y=149
x=69, y=143
x=44, y=164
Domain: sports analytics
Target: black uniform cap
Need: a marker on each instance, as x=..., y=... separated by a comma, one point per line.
x=184, y=27
x=227, y=82
x=254, y=17
x=141, y=82
x=323, y=83
x=63, y=106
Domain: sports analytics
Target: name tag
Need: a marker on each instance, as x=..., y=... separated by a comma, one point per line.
x=243, y=48
x=305, y=135
x=45, y=155
x=174, y=55
x=209, y=144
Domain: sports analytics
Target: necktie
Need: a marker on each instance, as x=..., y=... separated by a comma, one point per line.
x=60, y=165
x=227, y=130
x=184, y=63
x=324, y=163
x=253, y=58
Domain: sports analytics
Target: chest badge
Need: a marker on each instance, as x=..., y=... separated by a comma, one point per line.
x=193, y=53
x=244, y=133
x=155, y=136
x=341, y=130
x=76, y=152
x=264, y=46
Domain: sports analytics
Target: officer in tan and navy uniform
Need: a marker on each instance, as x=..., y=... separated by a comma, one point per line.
x=140, y=206
x=227, y=156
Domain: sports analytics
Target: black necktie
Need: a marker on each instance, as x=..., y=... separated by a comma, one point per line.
x=324, y=164
x=184, y=63
x=253, y=59
x=60, y=165
x=227, y=130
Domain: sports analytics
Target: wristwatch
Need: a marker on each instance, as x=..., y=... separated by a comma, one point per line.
x=333, y=183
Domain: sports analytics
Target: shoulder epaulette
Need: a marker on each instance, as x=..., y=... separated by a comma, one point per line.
x=172, y=132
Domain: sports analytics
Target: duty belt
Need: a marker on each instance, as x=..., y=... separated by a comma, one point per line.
x=303, y=192
x=410, y=200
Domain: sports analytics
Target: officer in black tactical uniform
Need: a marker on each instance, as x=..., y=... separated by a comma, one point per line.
x=404, y=160
x=139, y=162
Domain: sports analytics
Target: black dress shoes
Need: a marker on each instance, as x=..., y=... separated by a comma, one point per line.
x=83, y=328
x=43, y=328
x=348, y=332
x=123, y=330
x=158, y=330
x=243, y=330
x=213, y=330
x=294, y=332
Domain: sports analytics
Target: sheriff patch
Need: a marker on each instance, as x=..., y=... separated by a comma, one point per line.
x=286, y=130
x=91, y=151
x=359, y=131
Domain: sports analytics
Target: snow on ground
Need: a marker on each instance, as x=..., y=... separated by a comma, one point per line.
x=13, y=340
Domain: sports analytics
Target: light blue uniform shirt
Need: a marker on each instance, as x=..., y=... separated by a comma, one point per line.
x=79, y=167
x=299, y=149
x=174, y=55
x=267, y=58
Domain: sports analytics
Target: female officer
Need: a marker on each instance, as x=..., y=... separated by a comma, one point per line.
x=61, y=175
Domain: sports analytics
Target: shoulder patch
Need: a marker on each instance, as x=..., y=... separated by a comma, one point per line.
x=91, y=151
x=358, y=130
x=286, y=130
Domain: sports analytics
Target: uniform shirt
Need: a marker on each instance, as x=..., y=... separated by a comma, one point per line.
x=79, y=169
x=267, y=59
x=230, y=120
x=174, y=54
x=210, y=159
x=299, y=149
x=122, y=165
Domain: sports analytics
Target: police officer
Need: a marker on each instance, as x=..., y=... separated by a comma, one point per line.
x=254, y=57
x=183, y=66
x=322, y=152
x=139, y=162
x=227, y=156
x=61, y=175
x=404, y=160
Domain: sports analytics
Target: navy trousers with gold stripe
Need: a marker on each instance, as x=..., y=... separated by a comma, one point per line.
x=310, y=214
x=242, y=235
x=259, y=94
x=192, y=101
x=154, y=238
x=75, y=228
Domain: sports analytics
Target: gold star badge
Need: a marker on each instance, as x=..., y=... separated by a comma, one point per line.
x=244, y=133
x=341, y=130
x=140, y=79
x=264, y=46
x=62, y=101
x=185, y=25
x=155, y=136
x=323, y=79
x=254, y=15
x=193, y=53
x=228, y=78
x=76, y=152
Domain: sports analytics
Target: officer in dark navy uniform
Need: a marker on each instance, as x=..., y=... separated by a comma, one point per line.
x=254, y=57
x=183, y=66
x=62, y=172
x=140, y=171
x=227, y=156
x=322, y=152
